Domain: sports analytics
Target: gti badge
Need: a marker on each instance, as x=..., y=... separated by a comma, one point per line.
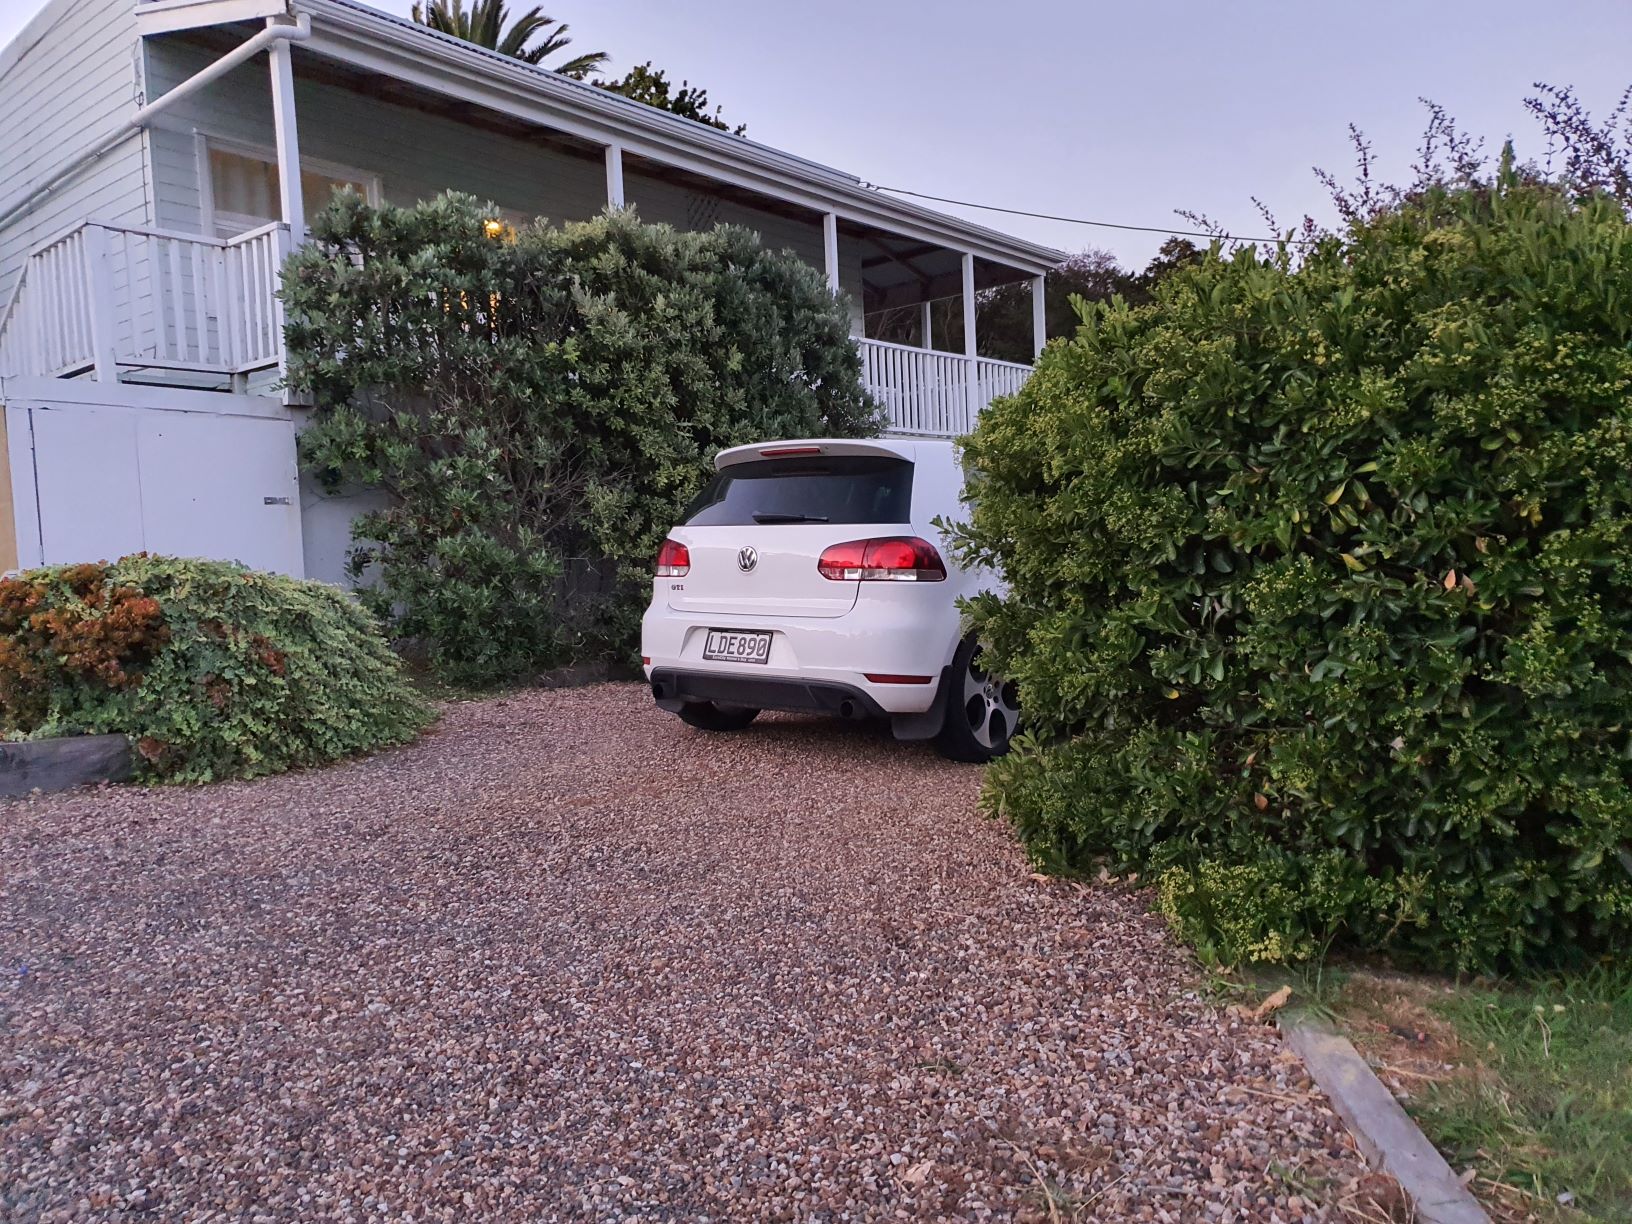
x=747, y=558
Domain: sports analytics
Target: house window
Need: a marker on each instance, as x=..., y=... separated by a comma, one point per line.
x=244, y=188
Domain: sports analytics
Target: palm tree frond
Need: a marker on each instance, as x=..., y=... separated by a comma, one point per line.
x=487, y=21
x=523, y=30
x=581, y=66
x=439, y=15
x=532, y=37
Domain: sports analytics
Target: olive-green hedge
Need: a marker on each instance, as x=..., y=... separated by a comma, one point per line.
x=540, y=404
x=1321, y=588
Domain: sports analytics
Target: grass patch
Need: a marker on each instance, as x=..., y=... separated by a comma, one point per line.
x=1528, y=1083
x=1546, y=1089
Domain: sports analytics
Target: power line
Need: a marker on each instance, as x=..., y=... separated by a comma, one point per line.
x=1020, y=212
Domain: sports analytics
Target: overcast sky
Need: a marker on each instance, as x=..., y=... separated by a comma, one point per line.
x=1119, y=112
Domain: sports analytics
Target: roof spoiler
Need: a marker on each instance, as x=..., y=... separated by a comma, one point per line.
x=894, y=448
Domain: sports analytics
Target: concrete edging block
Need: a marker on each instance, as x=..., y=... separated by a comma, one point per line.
x=1387, y=1136
x=57, y=764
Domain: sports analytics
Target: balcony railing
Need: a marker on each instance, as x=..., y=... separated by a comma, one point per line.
x=931, y=393
x=113, y=299
x=105, y=298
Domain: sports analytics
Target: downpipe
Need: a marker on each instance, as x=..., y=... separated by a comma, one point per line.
x=276, y=30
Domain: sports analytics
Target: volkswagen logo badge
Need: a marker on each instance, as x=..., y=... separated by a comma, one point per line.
x=747, y=558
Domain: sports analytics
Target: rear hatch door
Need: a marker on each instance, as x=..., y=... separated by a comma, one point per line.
x=758, y=529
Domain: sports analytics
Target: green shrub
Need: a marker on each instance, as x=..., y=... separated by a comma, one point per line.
x=1262, y=904
x=1235, y=912
x=542, y=404
x=1321, y=586
x=213, y=669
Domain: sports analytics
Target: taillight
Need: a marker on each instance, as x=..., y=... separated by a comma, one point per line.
x=888, y=559
x=673, y=560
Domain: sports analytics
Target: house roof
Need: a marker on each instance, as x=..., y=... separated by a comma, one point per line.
x=404, y=50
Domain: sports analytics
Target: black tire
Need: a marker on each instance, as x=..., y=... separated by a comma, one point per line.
x=706, y=716
x=982, y=711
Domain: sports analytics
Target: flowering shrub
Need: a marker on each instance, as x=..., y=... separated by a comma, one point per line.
x=1321, y=586
x=214, y=670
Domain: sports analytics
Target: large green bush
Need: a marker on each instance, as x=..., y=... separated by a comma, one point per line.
x=214, y=670
x=1321, y=572
x=541, y=404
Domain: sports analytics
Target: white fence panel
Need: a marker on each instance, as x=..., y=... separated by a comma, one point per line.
x=1000, y=378
x=59, y=307
x=150, y=299
x=928, y=392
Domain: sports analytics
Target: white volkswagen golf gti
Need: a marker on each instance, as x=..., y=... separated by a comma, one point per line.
x=809, y=575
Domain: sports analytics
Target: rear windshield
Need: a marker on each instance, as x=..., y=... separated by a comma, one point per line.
x=836, y=489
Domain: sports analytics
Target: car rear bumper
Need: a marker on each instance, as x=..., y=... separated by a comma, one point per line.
x=673, y=689
x=814, y=663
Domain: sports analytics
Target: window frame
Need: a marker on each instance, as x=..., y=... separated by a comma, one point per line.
x=207, y=144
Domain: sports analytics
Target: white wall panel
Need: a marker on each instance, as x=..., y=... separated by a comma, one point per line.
x=111, y=479
x=88, y=482
x=74, y=82
x=220, y=486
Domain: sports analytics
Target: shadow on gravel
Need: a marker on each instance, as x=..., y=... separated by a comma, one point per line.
x=817, y=734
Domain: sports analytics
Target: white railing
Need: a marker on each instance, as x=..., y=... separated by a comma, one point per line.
x=105, y=297
x=999, y=378
x=101, y=299
x=928, y=392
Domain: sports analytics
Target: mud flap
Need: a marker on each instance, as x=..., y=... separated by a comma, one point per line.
x=928, y=724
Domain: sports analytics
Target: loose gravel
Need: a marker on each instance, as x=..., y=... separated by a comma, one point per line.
x=567, y=959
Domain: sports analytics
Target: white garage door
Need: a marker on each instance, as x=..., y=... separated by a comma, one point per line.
x=111, y=480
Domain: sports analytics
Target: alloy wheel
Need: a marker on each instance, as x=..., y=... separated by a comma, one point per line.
x=991, y=705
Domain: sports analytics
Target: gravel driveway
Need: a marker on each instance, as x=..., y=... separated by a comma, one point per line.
x=567, y=959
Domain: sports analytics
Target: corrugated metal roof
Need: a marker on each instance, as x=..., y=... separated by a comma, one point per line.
x=604, y=107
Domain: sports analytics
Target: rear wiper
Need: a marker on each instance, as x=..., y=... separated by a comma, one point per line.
x=771, y=516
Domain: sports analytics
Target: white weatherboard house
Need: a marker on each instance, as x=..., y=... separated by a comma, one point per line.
x=148, y=192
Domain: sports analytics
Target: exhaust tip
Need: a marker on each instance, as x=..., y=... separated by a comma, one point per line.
x=657, y=690
x=847, y=708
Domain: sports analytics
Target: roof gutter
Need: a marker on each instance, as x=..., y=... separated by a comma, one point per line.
x=276, y=30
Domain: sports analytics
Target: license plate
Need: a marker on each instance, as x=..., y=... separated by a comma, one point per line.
x=734, y=646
